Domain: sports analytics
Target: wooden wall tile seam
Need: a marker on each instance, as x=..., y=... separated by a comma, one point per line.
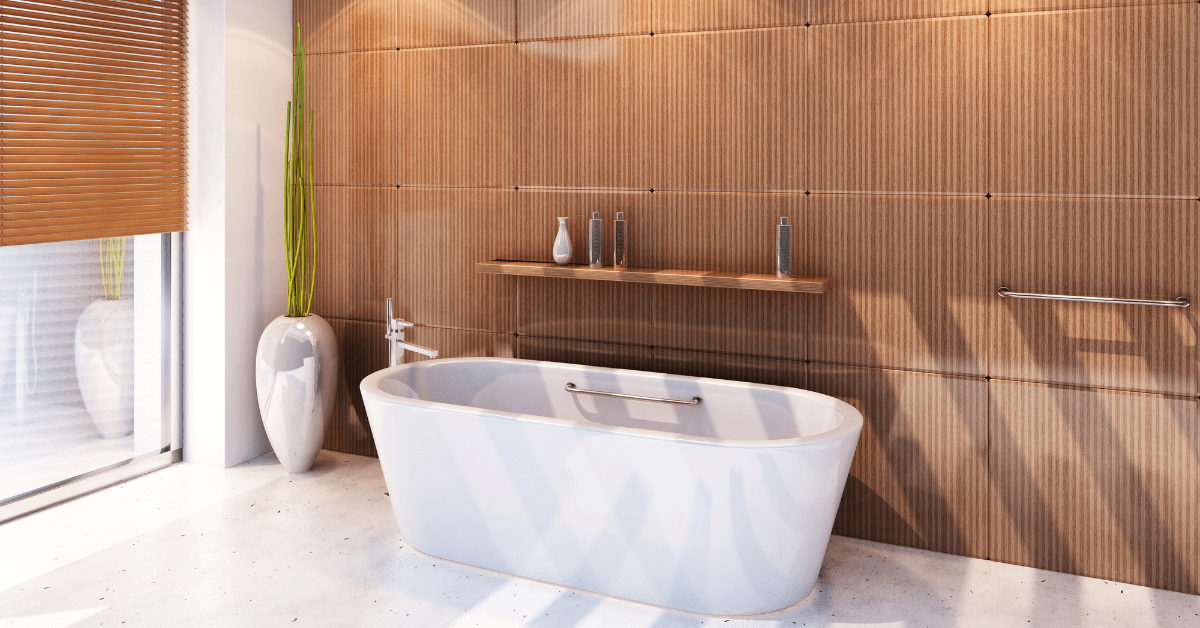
x=353, y=185
x=996, y=7
x=420, y=326
x=1086, y=197
x=670, y=16
x=901, y=369
x=575, y=339
x=583, y=188
x=1103, y=389
x=826, y=12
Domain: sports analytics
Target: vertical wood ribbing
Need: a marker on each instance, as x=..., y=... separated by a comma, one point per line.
x=1100, y=102
x=1096, y=483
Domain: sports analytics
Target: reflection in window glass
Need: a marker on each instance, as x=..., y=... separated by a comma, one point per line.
x=81, y=357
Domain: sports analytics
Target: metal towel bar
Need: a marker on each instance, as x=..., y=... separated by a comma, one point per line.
x=571, y=388
x=1005, y=292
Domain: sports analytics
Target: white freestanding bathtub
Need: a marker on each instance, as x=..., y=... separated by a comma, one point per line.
x=723, y=507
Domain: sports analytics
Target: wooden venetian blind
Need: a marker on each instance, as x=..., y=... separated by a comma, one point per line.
x=93, y=118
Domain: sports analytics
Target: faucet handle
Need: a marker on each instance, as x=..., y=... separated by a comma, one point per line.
x=395, y=324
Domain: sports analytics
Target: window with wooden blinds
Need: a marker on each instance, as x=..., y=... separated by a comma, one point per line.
x=93, y=118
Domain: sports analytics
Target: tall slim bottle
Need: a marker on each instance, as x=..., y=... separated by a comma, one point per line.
x=619, y=260
x=595, y=241
x=783, y=249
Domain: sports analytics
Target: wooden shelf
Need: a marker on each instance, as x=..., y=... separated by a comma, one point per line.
x=813, y=285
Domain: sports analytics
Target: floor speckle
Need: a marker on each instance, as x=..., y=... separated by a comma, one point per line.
x=336, y=559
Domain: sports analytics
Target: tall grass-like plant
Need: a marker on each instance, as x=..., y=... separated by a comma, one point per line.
x=299, y=221
x=112, y=266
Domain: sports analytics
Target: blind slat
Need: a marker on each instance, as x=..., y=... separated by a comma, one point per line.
x=103, y=112
x=164, y=203
x=32, y=203
x=89, y=231
x=64, y=118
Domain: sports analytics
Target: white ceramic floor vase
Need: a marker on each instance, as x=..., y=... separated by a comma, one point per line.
x=296, y=376
x=104, y=365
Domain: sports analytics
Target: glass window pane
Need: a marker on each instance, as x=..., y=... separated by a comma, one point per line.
x=81, y=358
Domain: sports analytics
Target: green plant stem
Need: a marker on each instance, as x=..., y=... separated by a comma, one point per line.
x=112, y=266
x=299, y=218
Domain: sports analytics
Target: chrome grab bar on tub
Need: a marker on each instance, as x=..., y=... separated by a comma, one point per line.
x=571, y=388
x=1005, y=292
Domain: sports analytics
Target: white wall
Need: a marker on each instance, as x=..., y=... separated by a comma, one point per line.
x=234, y=278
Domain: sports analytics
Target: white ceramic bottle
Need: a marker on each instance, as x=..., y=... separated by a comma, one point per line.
x=562, y=243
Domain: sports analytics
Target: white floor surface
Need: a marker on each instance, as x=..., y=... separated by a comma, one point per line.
x=253, y=546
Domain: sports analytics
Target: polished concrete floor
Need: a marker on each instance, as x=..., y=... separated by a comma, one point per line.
x=253, y=546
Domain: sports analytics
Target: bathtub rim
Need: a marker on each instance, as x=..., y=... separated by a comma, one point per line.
x=851, y=425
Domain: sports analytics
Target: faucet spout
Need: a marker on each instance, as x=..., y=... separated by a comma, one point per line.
x=396, y=344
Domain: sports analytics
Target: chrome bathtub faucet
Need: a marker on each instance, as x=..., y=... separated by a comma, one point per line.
x=395, y=337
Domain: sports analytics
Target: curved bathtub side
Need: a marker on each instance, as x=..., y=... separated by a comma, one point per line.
x=686, y=525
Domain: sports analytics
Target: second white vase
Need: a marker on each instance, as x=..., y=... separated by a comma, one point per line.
x=104, y=365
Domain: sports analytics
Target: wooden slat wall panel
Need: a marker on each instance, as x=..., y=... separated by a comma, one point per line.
x=1082, y=104
x=919, y=476
x=457, y=343
x=537, y=224
x=745, y=322
x=357, y=127
x=455, y=22
x=834, y=11
x=911, y=278
x=739, y=368
x=355, y=226
x=457, y=116
x=363, y=351
x=701, y=15
x=585, y=113
x=94, y=122
x=558, y=19
x=1097, y=483
x=731, y=232
x=918, y=124
x=607, y=355
x=581, y=310
x=584, y=310
x=730, y=112
x=1135, y=249
x=342, y=26
x=441, y=233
